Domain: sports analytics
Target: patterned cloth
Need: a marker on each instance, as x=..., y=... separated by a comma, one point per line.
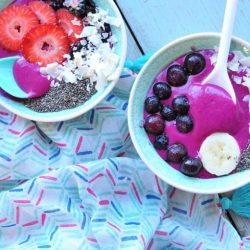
x=79, y=184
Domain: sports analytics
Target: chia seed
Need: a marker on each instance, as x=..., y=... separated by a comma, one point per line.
x=244, y=162
x=64, y=96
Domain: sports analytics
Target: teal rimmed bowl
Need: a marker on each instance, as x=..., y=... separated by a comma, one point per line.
x=120, y=49
x=136, y=108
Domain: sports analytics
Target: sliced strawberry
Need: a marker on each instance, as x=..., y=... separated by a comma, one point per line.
x=15, y=22
x=71, y=24
x=44, y=12
x=45, y=44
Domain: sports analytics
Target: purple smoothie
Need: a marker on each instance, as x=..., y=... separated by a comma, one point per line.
x=211, y=108
x=29, y=78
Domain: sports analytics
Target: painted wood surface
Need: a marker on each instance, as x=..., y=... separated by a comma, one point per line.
x=153, y=23
x=156, y=22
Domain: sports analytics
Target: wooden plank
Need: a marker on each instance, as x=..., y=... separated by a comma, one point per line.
x=133, y=51
x=156, y=22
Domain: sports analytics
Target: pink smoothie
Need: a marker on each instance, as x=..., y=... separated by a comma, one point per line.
x=29, y=78
x=211, y=108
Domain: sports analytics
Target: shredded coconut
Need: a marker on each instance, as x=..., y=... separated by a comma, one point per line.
x=71, y=3
x=76, y=22
x=245, y=61
x=246, y=98
x=213, y=58
x=237, y=79
x=246, y=82
x=96, y=61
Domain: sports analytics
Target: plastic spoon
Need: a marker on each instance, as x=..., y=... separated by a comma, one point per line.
x=219, y=75
x=7, y=80
x=32, y=83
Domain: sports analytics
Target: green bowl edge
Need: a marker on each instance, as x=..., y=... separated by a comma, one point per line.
x=135, y=117
x=120, y=49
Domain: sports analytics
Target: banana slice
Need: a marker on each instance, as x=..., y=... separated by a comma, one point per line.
x=220, y=153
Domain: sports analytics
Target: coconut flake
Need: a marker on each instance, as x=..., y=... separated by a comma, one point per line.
x=68, y=76
x=239, y=54
x=76, y=22
x=245, y=61
x=100, y=80
x=88, y=31
x=246, y=98
x=233, y=66
x=113, y=21
x=71, y=3
x=246, y=82
x=213, y=58
x=95, y=61
x=242, y=68
x=237, y=79
x=95, y=40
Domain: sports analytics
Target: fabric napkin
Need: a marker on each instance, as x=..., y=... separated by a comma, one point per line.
x=79, y=184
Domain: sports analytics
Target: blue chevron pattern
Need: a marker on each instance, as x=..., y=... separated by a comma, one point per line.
x=110, y=204
x=80, y=185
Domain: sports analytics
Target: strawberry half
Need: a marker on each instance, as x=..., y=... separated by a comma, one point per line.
x=71, y=24
x=45, y=44
x=15, y=22
x=44, y=12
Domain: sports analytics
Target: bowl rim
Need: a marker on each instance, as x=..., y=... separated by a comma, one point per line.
x=104, y=93
x=222, y=188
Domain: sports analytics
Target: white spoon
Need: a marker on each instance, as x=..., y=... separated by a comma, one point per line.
x=219, y=75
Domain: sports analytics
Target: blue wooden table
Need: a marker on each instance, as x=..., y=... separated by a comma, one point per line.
x=153, y=23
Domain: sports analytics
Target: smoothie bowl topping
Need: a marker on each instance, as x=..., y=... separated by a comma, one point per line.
x=66, y=51
x=197, y=128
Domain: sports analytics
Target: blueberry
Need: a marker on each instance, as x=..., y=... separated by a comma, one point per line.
x=105, y=32
x=161, y=142
x=154, y=124
x=181, y=104
x=152, y=104
x=107, y=28
x=194, y=63
x=83, y=8
x=162, y=90
x=176, y=75
x=77, y=47
x=168, y=113
x=184, y=123
x=90, y=6
x=56, y=4
x=191, y=166
x=176, y=153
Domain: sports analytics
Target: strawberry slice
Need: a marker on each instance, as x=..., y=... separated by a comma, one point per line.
x=45, y=44
x=44, y=12
x=15, y=22
x=71, y=24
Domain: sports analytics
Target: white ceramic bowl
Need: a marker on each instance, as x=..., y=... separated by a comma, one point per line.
x=136, y=108
x=120, y=49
